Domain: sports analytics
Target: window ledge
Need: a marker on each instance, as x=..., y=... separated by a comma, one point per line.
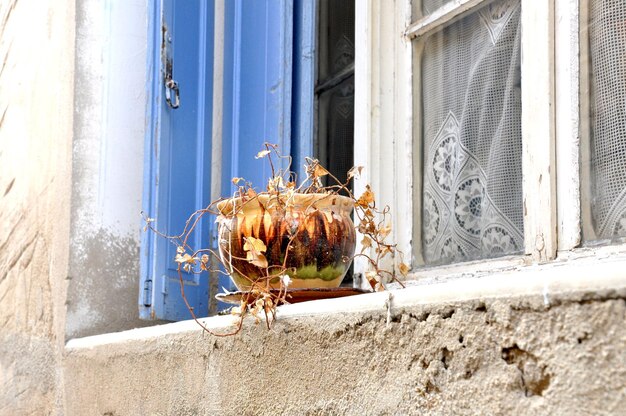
x=550, y=281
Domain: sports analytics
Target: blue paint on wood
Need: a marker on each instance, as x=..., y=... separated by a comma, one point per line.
x=257, y=85
x=303, y=93
x=178, y=154
x=269, y=49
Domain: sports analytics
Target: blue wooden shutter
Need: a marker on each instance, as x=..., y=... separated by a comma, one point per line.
x=304, y=60
x=177, y=153
x=257, y=85
x=260, y=71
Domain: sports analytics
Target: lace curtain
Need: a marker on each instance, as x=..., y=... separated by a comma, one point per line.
x=607, y=48
x=472, y=177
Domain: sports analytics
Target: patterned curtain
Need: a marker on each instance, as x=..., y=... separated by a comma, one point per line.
x=607, y=49
x=472, y=178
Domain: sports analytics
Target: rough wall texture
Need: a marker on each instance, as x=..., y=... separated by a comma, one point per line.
x=504, y=356
x=36, y=84
x=498, y=357
x=107, y=166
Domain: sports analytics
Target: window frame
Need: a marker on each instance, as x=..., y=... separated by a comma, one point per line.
x=550, y=109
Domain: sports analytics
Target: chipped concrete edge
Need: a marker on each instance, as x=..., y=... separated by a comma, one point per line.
x=584, y=278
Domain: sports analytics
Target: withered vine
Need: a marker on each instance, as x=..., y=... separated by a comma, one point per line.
x=260, y=300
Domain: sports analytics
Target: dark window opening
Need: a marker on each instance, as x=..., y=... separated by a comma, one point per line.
x=334, y=91
x=334, y=87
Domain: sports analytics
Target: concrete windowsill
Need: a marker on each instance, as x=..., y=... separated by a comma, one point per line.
x=550, y=281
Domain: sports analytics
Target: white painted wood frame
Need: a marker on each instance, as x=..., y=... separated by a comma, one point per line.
x=443, y=16
x=384, y=114
x=363, y=88
x=403, y=133
x=586, y=219
x=567, y=68
x=417, y=32
x=553, y=120
x=538, y=129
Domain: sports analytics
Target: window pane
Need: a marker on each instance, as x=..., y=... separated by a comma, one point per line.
x=429, y=6
x=335, y=87
x=606, y=161
x=336, y=37
x=336, y=128
x=472, y=146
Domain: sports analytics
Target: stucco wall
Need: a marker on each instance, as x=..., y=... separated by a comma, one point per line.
x=508, y=356
x=36, y=89
x=109, y=126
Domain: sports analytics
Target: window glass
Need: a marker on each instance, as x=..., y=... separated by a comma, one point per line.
x=604, y=163
x=429, y=6
x=334, y=91
x=471, y=132
x=336, y=127
x=336, y=37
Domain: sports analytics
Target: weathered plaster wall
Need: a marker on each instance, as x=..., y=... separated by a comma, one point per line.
x=509, y=356
x=109, y=126
x=36, y=87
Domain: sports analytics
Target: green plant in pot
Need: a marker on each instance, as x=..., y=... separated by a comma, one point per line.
x=290, y=237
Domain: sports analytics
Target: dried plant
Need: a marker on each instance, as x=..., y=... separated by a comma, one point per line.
x=260, y=301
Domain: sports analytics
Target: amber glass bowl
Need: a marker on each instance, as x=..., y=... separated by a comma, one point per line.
x=316, y=228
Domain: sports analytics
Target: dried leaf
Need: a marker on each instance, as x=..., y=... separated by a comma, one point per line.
x=204, y=261
x=254, y=244
x=261, y=154
x=254, y=247
x=372, y=278
x=384, y=231
x=319, y=171
x=366, y=198
x=404, y=269
x=147, y=219
x=237, y=180
x=185, y=259
x=367, y=226
x=384, y=251
x=366, y=243
x=275, y=183
x=257, y=259
x=251, y=193
x=256, y=309
x=355, y=172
